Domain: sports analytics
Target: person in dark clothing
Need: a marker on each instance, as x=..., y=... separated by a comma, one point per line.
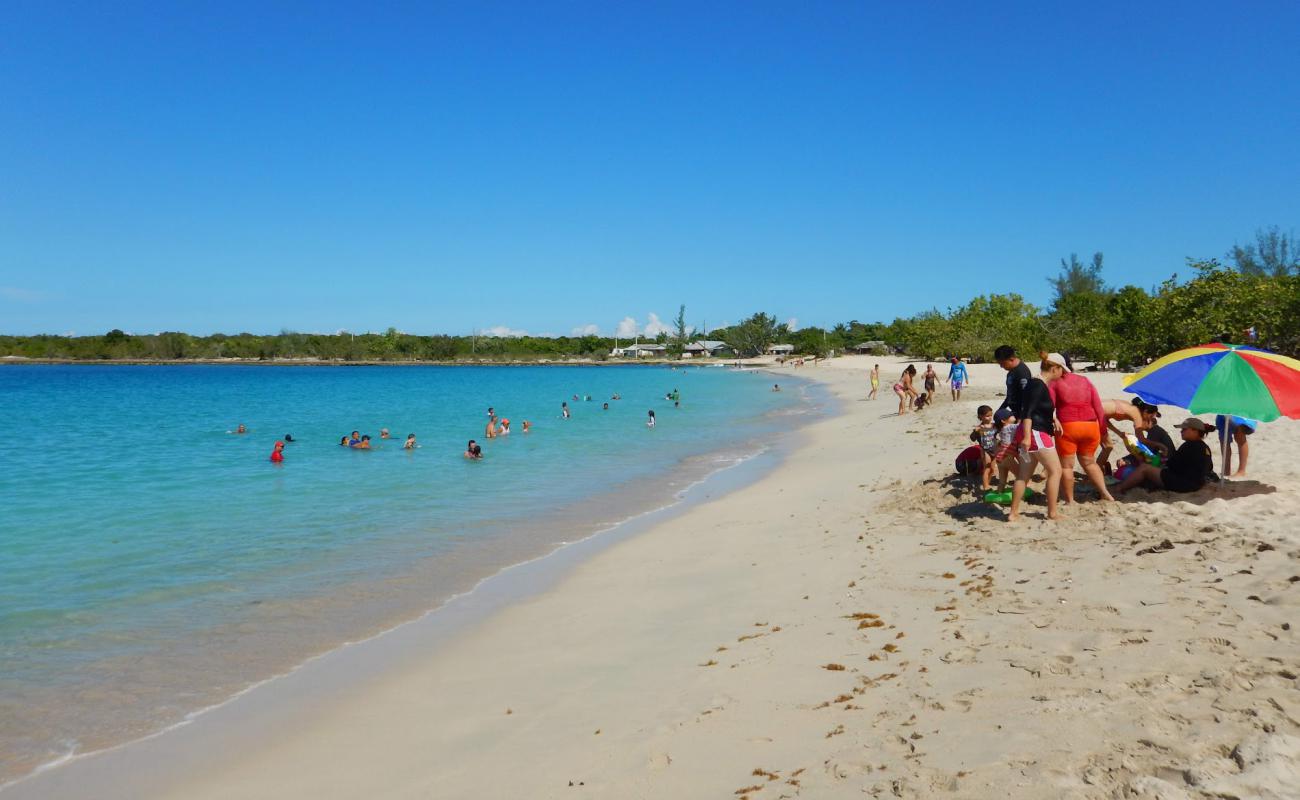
x=1186, y=469
x=1018, y=377
x=1152, y=435
x=1035, y=443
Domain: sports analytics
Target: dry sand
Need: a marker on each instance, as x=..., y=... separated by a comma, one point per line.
x=857, y=623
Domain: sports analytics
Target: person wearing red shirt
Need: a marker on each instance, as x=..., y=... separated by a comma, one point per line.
x=1079, y=421
x=277, y=455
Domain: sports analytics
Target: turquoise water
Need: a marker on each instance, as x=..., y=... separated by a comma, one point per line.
x=154, y=563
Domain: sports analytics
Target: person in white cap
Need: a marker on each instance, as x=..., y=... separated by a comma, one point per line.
x=1079, y=423
x=1187, y=468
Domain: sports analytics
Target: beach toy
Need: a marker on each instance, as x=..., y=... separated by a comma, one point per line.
x=1004, y=498
x=1140, y=451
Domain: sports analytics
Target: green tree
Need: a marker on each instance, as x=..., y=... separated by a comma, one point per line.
x=1273, y=254
x=752, y=337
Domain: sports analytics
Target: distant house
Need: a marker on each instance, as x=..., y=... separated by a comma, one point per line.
x=639, y=351
x=780, y=349
x=706, y=348
x=871, y=347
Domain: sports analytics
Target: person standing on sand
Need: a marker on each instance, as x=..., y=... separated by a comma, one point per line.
x=1078, y=423
x=875, y=382
x=931, y=382
x=1235, y=430
x=1036, y=445
x=957, y=377
x=1018, y=377
x=906, y=394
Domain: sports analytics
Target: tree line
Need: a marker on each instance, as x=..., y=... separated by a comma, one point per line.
x=1251, y=297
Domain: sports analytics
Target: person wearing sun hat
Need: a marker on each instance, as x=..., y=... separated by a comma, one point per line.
x=1186, y=470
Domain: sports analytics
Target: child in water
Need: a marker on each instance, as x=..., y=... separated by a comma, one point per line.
x=410, y=442
x=365, y=443
x=473, y=451
x=650, y=423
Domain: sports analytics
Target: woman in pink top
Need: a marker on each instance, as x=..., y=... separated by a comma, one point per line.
x=1079, y=421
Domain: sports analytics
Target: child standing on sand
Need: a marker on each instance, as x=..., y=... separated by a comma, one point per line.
x=986, y=436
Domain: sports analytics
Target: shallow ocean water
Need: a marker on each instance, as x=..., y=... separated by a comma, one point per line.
x=152, y=563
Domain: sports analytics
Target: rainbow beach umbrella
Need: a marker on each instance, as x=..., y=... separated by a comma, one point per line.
x=1230, y=379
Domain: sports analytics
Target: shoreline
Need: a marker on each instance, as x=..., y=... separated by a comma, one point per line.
x=729, y=469
x=298, y=362
x=853, y=622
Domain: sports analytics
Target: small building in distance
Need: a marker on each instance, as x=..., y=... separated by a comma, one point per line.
x=707, y=348
x=639, y=351
x=877, y=347
x=780, y=349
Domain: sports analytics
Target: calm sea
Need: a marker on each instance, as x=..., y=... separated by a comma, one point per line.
x=152, y=563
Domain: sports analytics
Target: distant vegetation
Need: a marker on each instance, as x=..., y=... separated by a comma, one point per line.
x=1255, y=293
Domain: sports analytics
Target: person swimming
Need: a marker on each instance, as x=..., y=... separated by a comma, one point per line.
x=288, y=438
x=650, y=423
x=277, y=454
x=355, y=440
x=604, y=406
x=776, y=387
x=410, y=442
x=564, y=409
x=344, y=441
x=504, y=429
x=490, y=432
x=473, y=451
x=239, y=429
x=383, y=433
x=527, y=426
x=365, y=443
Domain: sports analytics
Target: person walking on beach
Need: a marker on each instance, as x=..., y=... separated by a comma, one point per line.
x=1036, y=445
x=931, y=381
x=1079, y=421
x=906, y=394
x=957, y=377
x=875, y=382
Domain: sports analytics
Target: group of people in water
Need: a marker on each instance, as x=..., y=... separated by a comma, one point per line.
x=1058, y=418
x=497, y=427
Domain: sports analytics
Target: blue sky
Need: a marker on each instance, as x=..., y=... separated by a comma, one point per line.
x=545, y=167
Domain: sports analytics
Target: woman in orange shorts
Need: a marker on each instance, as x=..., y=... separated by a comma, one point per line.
x=1079, y=421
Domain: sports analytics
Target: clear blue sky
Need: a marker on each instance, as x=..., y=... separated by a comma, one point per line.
x=442, y=167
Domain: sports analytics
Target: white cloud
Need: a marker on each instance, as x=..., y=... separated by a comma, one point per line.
x=655, y=326
x=792, y=323
x=586, y=330
x=626, y=328
x=20, y=295
x=503, y=331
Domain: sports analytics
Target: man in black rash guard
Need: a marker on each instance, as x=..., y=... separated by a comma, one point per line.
x=1018, y=376
x=1035, y=444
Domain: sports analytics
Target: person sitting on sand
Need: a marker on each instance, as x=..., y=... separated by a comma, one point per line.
x=410, y=442
x=1079, y=418
x=922, y=400
x=1187, y=468
x=906, y=394
x=277, y=453
x=1152, y=435
x=1235, y=430
x=650, y=423
x=875, y=382
x=473, y=451
x=1036, y=445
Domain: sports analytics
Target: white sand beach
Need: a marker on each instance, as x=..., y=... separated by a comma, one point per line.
x=856, y=623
